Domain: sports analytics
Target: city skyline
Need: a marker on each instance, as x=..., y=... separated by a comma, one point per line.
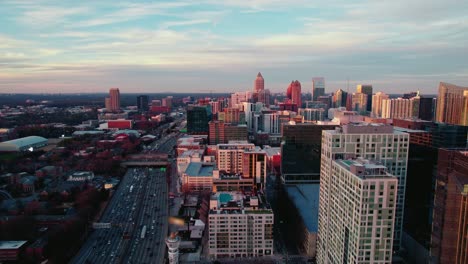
x=183, y=46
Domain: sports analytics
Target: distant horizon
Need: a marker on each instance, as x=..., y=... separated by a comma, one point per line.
x=185, y=46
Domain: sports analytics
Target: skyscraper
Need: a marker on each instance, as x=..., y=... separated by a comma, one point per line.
x=264, y=97
x=114, y=96
x=358, y=102
x=377, y=103
x=339, y=98
x=360, y=221
x=142, y=103
x=294, y=93
x=366, y=89
x=259, y=83
x=378, y=142
x=452, y=104
x=318, y=87
x=450, y=221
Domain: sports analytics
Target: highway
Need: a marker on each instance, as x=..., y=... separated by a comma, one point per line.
x=140, y=202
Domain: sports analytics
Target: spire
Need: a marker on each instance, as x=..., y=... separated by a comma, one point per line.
x=259, y=75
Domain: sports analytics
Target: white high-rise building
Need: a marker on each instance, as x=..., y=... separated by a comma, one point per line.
x=361, y=213
x=271, y=123
x=239, y=226
x=377, y=142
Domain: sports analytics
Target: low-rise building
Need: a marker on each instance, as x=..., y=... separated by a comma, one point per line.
x=81, y=176
x=198, y=177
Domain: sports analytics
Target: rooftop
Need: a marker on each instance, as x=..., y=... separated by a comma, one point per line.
x=12, y=244
x=306, y=199
x=199, y=169
x=364, y=168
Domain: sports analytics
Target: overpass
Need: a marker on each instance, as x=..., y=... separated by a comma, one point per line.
x=144, y=163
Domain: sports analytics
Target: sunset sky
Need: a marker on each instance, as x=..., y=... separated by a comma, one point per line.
x=197, y=46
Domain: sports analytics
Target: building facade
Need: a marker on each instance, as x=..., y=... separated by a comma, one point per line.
x=379, y=142
x=239, y=226
x=318, y=87
x=356, y=221
x=452, y=103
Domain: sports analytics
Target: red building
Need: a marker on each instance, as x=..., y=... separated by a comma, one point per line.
x=294, y=93
x=120, y=124
x=160, y=109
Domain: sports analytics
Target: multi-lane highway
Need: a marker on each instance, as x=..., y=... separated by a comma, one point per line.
x=137, y=213
x=140, y=200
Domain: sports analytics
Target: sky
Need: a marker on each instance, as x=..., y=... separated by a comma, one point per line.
x=89, y=46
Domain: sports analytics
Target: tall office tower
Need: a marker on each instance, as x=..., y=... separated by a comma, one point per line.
x=222, y=133
x=425, y=139
x=232, y=115
x=239, y=226
x=294, y=93
x=449, y=243
x=377, y=103
x=197, y=120
x=451, y=104
x=366, y=89
x=238, y=98
x=114, y=95
x=415, y=103
x=229, y=157
x=395, y=108
x=358, y=219
x=264, y=97
x=255, y=166
x=318, y=87
x=142, y=103
x=259, y=83
x=426, y=106
x=358, y=102
x=371, y=141
x=300, y=152
x=339, y=98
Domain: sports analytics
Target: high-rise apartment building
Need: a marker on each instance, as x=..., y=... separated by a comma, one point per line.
x=356, y=219
x=312, y=114
x=377, y=103
x=142, y=103
x=318, y=88
x=396, y=108
x=114, y=100
x=239, y=226
x=229, y=157
x=255, y=166
x=449, y=243
x=366, y=89
x=294, y=93
x=452, y=104
x=377, y=142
